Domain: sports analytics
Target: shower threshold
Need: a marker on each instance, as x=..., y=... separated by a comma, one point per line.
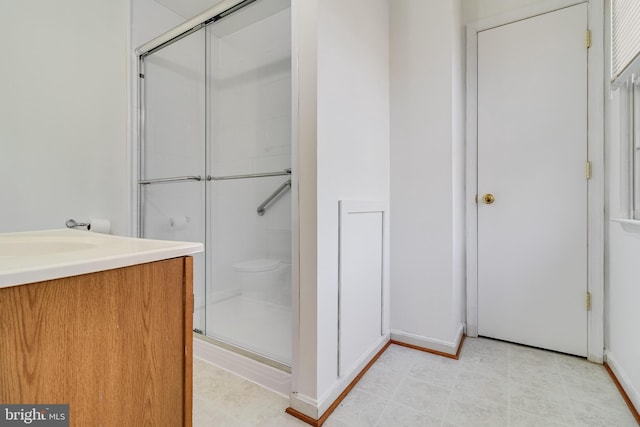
x=243, y=352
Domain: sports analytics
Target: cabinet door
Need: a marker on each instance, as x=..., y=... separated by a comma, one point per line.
x=114, y=345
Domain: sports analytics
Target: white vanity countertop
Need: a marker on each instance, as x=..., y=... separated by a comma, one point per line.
x=34, y=256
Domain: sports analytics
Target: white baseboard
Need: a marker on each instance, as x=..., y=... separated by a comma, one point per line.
x=316, y=408
x=259, y=373
x=305, y=405
x=623, y=379
x=447, y=347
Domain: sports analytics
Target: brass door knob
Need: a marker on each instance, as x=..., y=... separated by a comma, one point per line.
x=488, y=199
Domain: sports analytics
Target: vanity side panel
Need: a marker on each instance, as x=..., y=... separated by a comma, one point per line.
x=188, y=341
x=110, y=344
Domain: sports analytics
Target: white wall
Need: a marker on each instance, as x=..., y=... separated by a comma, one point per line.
x=473, y=10
x=63, y=113
x=427, y=178
x=353, y=138
x=622, y=269
x=623, y=294
x=346, y=130
x=188, y=9
x=150, y=19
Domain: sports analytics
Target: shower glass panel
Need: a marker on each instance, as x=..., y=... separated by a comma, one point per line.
x=216, y=145
x=249, y=113
x=172, y=204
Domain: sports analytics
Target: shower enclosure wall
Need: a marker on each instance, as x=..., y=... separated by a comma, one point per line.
x=215, y=166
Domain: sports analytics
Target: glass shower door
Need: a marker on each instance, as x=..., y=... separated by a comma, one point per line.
x=248, y=192
x=172, y=167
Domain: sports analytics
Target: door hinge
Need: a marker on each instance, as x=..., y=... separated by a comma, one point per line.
x=587, y=170
x=588, y=40
x=588, y=301
x=141, y=75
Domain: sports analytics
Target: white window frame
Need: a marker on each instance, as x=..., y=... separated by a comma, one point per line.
x=632, y=114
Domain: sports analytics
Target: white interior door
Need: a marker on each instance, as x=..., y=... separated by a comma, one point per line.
x=532, y=151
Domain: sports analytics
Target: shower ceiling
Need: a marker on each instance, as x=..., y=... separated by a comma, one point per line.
x=188, y=8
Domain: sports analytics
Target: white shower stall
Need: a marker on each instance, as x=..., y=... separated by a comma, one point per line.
x=215, y=167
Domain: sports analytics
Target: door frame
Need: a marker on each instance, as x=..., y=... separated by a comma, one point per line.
x=595, y=153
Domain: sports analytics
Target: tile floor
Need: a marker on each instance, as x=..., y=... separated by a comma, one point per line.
x=493, y=384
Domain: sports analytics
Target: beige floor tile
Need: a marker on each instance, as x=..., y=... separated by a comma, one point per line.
x=487, y=347
x=599, y=393
x=495, y=361
x=213, y=383
x=522, y=419
x=481, y=385
x=360, y=409
x=536, y=377
x=476, y=413
x=436, y=370
x=248, y=401
x=555, y=407
x=493, y=384
x=380, y=381
x=533, y=358
x=396, y=415
x=398, y=359
x=336, y=422
x=274, y=416
x=216, y=418
x=579, y=367
x=588, y=415
x=423, y=397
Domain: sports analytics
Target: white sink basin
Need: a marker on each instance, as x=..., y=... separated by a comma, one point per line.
x=40, y=246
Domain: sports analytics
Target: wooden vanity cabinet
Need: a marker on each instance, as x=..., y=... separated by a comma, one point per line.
x=115, y=345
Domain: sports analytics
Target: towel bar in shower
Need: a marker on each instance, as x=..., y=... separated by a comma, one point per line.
x=263, y=206
x=171, y=179
x=250, y=175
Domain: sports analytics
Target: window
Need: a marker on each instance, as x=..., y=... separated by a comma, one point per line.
x=625, y=37
x=625, y=73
